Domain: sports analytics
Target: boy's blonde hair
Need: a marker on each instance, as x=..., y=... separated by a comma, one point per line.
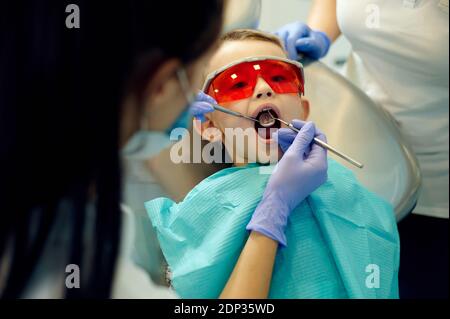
x=250, y=34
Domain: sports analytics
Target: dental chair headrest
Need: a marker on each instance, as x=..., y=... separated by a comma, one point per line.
x=242, y=14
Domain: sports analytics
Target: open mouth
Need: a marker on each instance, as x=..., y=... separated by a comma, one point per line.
x=267, y=125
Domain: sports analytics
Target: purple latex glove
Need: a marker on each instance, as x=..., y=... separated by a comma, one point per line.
x=295, y=177
x=202, y=105
x=285, y=136
x=299, y=38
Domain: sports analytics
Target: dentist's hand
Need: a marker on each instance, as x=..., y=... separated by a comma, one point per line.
x=301, y=171
x=299, y=38
x=201, y=106
x=285, y=136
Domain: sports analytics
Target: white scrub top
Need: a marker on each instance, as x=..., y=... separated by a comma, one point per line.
x=400, y=58
x=132, y=281
x=140, y=186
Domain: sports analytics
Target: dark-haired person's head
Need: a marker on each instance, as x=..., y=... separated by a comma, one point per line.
x=69, y=99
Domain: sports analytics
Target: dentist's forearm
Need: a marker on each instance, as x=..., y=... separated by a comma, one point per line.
x=322, y=17
x=252, y=275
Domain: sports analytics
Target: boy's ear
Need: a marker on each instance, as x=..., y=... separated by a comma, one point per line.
x=305, y=107
x=207, y=130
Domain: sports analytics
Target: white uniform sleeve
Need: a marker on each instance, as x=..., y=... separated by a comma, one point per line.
x=131, y=281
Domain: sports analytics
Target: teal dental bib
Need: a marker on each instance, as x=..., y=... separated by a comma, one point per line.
x=342, y=240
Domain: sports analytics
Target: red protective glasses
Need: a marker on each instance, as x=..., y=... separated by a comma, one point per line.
x=238, y=80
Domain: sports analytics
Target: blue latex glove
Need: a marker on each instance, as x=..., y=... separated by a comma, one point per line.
x=299, y=38
x=295, y=177
x=201, y=106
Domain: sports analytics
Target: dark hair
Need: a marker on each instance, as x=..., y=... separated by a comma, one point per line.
x=61, y=92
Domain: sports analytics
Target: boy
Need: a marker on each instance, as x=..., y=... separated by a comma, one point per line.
x=342, y=240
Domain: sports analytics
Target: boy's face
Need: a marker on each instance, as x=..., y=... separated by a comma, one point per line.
x=286, y=106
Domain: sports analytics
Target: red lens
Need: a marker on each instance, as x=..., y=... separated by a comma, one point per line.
x=282, y=77
x=235, y=83
x=239, y=81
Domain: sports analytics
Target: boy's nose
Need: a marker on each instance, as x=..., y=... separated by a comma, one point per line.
x=262, y=89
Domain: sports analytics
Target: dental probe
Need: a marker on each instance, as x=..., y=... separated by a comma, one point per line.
x=323, y=144
x=292, y=127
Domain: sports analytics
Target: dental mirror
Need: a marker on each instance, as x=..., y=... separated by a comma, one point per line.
x=266, y=119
